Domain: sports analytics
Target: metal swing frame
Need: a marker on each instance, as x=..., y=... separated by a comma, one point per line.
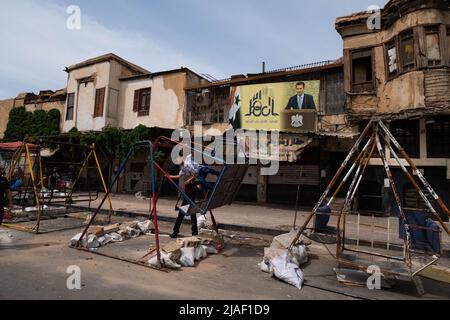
x=360, y=164
x=39, y=197
x=230, y=178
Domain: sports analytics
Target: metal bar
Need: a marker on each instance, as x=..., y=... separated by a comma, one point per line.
x=348, y=200
x=375, y=254
x=417, y=172
x=331, y=184
x=103, y=181
x=418, y=190
x=155, y=213
x=36, y=194
x=399, y=205
x=113, y=182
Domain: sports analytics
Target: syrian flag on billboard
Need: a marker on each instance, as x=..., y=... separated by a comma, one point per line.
x=234, y=117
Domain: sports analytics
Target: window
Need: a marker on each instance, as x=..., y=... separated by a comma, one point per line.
x=362, y=70
x=391, y=58
x=141, y=103
x=407, y=52
x=70, y=106
x=448, y=44
x=438, y=137
x=99, y=102
x=407, y=134
x=433, y=49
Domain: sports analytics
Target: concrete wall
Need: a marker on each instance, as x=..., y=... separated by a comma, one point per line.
x=166, y=106
x=83, y=117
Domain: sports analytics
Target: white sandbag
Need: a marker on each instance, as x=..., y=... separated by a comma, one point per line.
x=210, y=250
x=145, y=226
x=166, y=261
x=200, y=253
x=187, y=257
x=265, y=267
x=133, y=233
x=287, y=271
x=115, y=237
x=76, y=238
x=105, y=239
x=92, y=242
x=201, y=221
x=298, y=255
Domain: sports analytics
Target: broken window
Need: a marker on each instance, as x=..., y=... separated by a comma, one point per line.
x=407, y=134
x=70, y=106
x=438, y=137
x=433, y=48
x=407, y=52
x=391, y=58
x=141, y=103
x=411, y=199
x=99, y=102
x=362, y=70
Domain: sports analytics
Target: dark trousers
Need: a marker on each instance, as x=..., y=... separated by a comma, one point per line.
x=190, y=191
x=2, y=213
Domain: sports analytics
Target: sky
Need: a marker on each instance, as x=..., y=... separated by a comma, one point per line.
x=219, y=38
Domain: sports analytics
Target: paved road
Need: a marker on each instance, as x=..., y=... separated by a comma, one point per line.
x=34, y=267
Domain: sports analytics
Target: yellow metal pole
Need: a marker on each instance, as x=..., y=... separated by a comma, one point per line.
x=103, y=182
x=16, y=159
x=36, y=195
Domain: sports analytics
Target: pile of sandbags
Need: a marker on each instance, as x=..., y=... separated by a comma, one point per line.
x=184, y=252
x=285, y=264
x=98, y=236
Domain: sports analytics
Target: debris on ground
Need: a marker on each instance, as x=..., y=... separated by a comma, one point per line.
x=183, y=252
x=284, y=264
x=98, y=236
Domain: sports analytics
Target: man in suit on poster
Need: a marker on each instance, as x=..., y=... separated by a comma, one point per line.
x=301, y=101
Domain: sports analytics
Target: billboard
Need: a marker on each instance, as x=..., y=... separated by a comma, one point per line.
x=275, y=106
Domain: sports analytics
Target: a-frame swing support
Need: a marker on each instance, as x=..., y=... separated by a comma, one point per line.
x=361, y=163
x=35, y=184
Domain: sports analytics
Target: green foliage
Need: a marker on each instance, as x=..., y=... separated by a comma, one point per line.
x=22, y=124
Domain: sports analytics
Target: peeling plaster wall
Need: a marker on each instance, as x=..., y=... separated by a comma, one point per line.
x=166, y=106
x=411, y=85
x=85, y=96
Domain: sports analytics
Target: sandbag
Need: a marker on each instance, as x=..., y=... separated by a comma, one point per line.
x=200, y=253
x=166, y=261
x=145, y=226
x=210, y=250
x=201, y=221
x=187, y=257
x=298, y=255
x=265, y=266
x=287, y=271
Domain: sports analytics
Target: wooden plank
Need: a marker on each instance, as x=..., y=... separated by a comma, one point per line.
x=437, y=272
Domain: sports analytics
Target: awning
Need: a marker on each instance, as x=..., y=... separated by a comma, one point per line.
x=13, y=146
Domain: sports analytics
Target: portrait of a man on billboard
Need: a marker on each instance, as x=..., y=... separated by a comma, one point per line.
x=302, y=100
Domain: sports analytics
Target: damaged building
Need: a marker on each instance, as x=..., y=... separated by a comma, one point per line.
x=400, y=73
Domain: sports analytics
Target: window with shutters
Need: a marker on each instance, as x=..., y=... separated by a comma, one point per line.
x=70, y=106
x=433, y=48
x=141, y=103
x=362, y=70
x=407, y=51
x=391, y=58
x=99, y=102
